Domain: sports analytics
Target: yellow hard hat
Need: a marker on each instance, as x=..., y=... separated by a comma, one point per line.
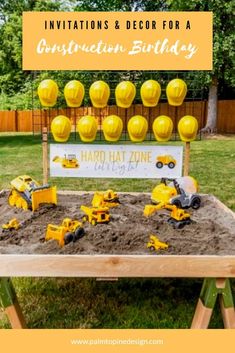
x=137, y=128
x=162, y=128
x=176, y=91
x=188, y=127
x=87, y=127
x=125, y=94
x=112, y=128
x=99, y=94
x=150, y=92
x=74, y=93
x=48, y=92
x=61, y=128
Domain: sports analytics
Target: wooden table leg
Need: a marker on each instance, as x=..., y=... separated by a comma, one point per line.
x=9, y=302
x=211, y=289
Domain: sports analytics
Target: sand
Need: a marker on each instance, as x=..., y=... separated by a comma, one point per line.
x=212, y=231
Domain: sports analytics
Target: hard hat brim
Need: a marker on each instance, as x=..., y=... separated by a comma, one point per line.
x=86, y=139
x=46, y=104
x=173, y=103
x=60, y=139
x=147, y=104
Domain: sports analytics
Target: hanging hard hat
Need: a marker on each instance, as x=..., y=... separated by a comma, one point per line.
x=125, y=94
x=112, y=128
x=150, y=92
x=61, y=128
x=188, y=127
x=137, y=128
x=162, y=128
x=99, y=94
x=176, y=91
x=87, y=127
x=48, y=92
x=74, y=93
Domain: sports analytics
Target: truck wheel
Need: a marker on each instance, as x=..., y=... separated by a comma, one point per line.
x=171, y=165
x=177, y=203
x=79, y=232
x=159, y=165
x=196, y=203
x=68, y=238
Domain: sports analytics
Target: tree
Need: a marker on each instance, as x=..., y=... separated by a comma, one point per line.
x=223, y=49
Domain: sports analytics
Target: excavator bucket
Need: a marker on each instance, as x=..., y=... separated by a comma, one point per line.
x=44, y=195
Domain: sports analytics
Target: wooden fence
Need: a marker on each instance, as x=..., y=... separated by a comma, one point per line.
x=28, y=121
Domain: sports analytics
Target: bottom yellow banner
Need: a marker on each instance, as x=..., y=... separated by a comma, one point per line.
x=82, y=340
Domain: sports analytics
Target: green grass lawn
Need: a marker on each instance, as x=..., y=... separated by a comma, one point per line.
x=128, y=303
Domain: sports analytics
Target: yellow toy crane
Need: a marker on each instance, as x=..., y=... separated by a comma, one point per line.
x=27, y=194
x=178, y=217
x=69, y=161
x=165, y=160
x=96, y=215
x=155, y=244
x=69, y=230
x=108, y=199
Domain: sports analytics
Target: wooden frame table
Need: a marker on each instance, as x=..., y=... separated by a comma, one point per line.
x=215, y=269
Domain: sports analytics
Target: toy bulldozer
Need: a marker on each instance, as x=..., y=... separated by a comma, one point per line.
x=96, y=215
x=27, y=194
x=69, y=230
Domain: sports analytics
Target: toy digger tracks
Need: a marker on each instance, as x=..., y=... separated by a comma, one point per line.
x=27, y=194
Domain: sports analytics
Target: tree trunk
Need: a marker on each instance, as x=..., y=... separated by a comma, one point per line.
x=211, y=124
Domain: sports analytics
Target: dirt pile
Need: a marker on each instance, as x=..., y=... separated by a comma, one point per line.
x=211, y=232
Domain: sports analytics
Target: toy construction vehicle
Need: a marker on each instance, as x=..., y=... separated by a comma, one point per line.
x=108, y=199
x=26, y=193
x=174, y=195
x=70, y=230
x=178, y=217
x=96, y=215
x=155, y=244
x=69, y=161
x=165, y=160
x=13, y=224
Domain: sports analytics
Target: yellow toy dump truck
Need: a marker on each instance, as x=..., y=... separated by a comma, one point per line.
x=69, y=230
x=69, y=161
x=26, y=193
x=108, y=199
x=155, y=244
x=96, y=215
x=165, y=160
x=11, y=225
x=178, y=217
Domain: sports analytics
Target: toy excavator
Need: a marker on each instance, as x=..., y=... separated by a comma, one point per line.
x=108, y=199
x=26, y=193
x=174, y=195
x=13, y=224
x=69, y=161
x=96, y=215
x=69, y=230
x=178, y=217
x=156, y=244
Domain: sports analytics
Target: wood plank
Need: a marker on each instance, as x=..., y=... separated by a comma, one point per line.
x=201, y=317
x=116, y=266
x=15, y=316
